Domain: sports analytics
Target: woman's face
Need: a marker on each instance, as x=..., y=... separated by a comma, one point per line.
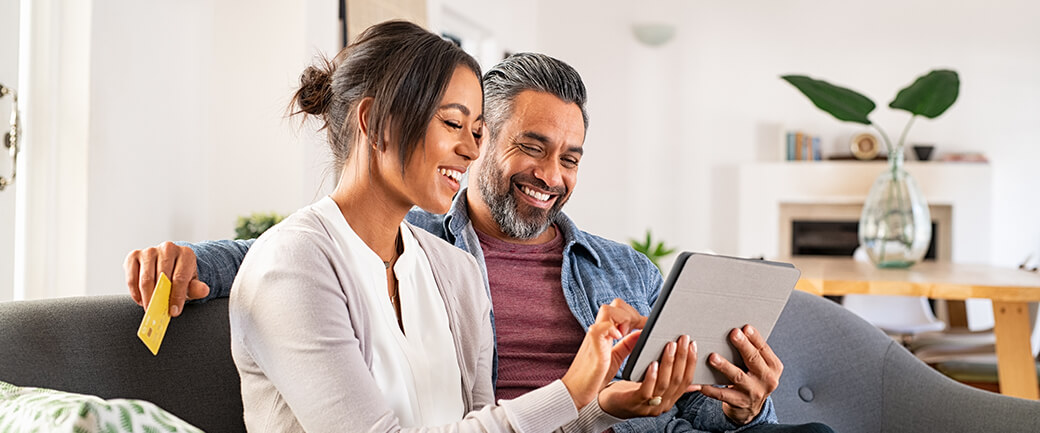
x=433, y=174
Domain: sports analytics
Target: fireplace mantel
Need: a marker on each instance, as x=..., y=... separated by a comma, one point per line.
x=764, y=187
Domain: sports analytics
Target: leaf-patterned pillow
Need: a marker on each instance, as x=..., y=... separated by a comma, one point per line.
x=30, y=410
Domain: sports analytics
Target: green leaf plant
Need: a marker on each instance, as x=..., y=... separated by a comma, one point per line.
x=654, y=251
x=929, y=96
x=252, y=226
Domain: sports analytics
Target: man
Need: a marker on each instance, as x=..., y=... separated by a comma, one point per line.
x=546, y=278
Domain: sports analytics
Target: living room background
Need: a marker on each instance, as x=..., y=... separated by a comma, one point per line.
x=182, y=113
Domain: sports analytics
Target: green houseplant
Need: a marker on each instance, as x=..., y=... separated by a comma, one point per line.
x=652, y=249
x=252, y=226
x=895, y=227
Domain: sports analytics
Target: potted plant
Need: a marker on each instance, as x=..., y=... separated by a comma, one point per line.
x=895, y=227
x=252, y=226
x=653, y=249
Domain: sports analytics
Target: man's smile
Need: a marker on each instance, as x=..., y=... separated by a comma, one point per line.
x=536, y=196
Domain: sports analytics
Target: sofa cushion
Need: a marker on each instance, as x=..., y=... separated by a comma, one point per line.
x=47, y=410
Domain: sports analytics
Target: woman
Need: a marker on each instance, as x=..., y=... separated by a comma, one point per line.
x=346, y=318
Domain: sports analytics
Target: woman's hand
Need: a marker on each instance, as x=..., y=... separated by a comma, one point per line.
x=598, y=359
x=667, y=380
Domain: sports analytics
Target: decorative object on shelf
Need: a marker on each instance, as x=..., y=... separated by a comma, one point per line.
x=653, y=34
x=864, y=146
x=254, y=225
x=655, y=251
x=923, y=152
x=11, y=138
x=964, y=157
x=895, y=227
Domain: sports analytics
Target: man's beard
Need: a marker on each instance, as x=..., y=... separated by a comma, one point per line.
x=497, y=192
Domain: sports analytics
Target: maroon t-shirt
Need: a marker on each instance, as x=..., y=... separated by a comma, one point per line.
x=537, y=333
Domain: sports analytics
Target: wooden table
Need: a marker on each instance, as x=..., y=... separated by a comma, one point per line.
x=1010, y=290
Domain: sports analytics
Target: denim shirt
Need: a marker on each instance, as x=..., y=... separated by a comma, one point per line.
x=595, y=271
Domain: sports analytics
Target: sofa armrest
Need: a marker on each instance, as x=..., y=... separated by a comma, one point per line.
x=919, y=398
x=844, y=372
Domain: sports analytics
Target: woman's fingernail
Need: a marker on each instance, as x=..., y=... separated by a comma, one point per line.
x=693, y=345
x=750, y=330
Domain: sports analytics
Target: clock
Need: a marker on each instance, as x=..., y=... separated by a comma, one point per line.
x=864, y=146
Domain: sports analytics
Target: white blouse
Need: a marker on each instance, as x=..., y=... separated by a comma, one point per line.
x=417, y=370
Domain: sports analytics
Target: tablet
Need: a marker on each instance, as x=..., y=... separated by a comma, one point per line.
x=705, y=297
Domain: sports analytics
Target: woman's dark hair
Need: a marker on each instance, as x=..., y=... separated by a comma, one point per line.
x=403, y=67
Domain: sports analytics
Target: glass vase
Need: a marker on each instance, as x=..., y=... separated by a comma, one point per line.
x=895, y=228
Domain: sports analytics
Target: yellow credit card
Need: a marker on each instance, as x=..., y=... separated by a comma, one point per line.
x=156, y=316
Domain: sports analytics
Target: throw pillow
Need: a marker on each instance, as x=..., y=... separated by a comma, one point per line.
x=45, y=410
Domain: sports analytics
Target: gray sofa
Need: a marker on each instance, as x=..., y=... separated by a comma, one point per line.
x=89, y=345
x=838, y=369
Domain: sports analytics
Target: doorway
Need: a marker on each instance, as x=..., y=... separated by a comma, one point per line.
x=9, y=17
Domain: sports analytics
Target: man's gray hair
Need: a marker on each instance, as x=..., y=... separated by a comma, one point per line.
x=528, y=71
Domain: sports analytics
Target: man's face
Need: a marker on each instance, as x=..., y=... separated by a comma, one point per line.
x=531, y=168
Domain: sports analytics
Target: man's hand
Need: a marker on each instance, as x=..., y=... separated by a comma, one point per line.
x=743, y=400
x=142, y=271
x=669, y=380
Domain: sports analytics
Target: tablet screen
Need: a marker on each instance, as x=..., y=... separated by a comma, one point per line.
x=705, y=297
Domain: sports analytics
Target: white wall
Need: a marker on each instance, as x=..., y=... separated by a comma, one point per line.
x=187, y=121
x=183, y=129
x=8, y=77
x=687, y=114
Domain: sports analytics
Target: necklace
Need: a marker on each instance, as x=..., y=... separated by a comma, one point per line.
x=397, y=251
x=395, y=295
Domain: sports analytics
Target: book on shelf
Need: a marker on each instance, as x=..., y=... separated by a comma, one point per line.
x=807, y=148
x=799, y=139
x=789, y=149
x=800, y=146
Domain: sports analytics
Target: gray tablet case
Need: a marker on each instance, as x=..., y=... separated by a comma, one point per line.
x=705, y=297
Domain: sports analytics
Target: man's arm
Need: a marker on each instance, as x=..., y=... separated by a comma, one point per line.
x=218, y=263
x=200, y=271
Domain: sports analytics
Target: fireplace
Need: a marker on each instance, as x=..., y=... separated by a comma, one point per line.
x=827, y=229
x=833, y=238
x=773, y=196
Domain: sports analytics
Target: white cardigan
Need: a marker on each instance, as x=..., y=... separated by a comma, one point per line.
x=301, y=338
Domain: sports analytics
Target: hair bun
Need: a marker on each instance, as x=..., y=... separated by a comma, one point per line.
x=315, y=92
